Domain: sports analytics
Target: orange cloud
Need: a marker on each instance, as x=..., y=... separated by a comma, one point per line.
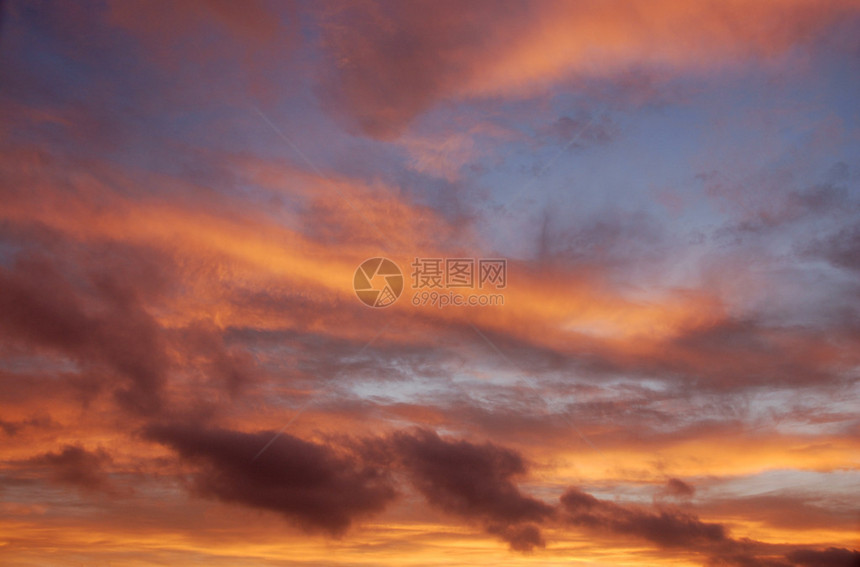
x=394, y=60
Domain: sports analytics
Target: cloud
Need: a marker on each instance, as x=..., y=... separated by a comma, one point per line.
x=666, y=528
x=162, y=22
x=520, y=537
x=394, y=60
x=679, y=488
x=77, y=466
x=575, y=132
x=830, y=557
x=391, y=61
x=322, y=487
x=230, y=367
x=680, y=530
x=102, y=321
x=771, y=211
x=475, y=482
x=613, y=239
x=786, y=510
x=842, y=248
x=164, y=268
x=247, y=45
x=311, y=484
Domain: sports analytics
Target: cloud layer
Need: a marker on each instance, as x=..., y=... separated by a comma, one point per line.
x=187, y=375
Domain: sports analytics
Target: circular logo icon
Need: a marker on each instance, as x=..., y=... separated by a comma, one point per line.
x=378, y=282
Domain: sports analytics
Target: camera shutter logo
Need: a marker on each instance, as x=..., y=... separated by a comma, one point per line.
x=378, y=282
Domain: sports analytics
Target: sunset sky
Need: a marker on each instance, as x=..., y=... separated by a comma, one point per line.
x=668, y=376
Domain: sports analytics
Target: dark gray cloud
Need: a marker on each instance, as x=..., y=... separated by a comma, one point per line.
x=842, y=248
x=673, y=528
x=92, y=314
x=679, y=488
x=666, y=528
x=475, y=482
x=77, y=466
x=329, y=486
x=830, y=557
x=311, y=484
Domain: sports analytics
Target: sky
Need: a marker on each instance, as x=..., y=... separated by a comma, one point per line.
x=430, y=283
